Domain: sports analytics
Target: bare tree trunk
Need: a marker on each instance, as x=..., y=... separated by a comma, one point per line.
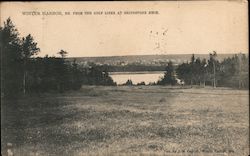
x=24, y=82
x=24, y=77
x=214, y=83
x=200, y=80
x=240, y=83
x=204, y=82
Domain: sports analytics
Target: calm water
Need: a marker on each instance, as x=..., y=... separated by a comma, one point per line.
x=136, y=77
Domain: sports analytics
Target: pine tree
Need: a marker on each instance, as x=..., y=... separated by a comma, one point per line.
x=11, y=74
x=29, y=49
x=169, y=76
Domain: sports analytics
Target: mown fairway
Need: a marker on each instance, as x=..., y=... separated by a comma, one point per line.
x=148, y=120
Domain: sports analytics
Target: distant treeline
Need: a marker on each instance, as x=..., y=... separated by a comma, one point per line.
x=131, y=68
x=147, y=60
x=21, y=72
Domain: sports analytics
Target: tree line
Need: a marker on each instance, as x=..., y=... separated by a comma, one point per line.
x=231, y=72
x=131, y=68
x=22, y=72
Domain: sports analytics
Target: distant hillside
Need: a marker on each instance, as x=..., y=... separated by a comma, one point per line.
x=144, y=59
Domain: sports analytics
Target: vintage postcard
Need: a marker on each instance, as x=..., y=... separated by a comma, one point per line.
x=124, y=78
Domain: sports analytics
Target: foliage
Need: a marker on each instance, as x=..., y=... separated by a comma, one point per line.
x=62, y=53
x=96, y=76
x=169, y=76
x=11, y=71
x=231, y=72
x=131, y=68
x=234, y=71
x=21, y=72
x=141, y=83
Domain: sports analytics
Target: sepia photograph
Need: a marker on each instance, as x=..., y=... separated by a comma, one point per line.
x=124, y=78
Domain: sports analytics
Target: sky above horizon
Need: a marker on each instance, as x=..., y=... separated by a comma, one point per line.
x=180, y=27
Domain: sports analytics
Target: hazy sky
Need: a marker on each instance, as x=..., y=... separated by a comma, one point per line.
x=180, y=27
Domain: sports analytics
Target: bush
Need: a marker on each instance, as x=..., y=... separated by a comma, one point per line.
x=141, y=83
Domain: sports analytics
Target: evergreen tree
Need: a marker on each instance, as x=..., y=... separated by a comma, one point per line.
x=184, y=72
x=21, y=72
x=28, y=49
x=234, y=72
x=129, y=83
x=169, y=76
x=11, y=73
x=192, y=68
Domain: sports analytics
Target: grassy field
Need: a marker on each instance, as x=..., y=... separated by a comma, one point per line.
x=147, y=120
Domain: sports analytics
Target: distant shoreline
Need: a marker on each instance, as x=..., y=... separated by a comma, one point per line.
x=136, y=72
x=189, y=54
